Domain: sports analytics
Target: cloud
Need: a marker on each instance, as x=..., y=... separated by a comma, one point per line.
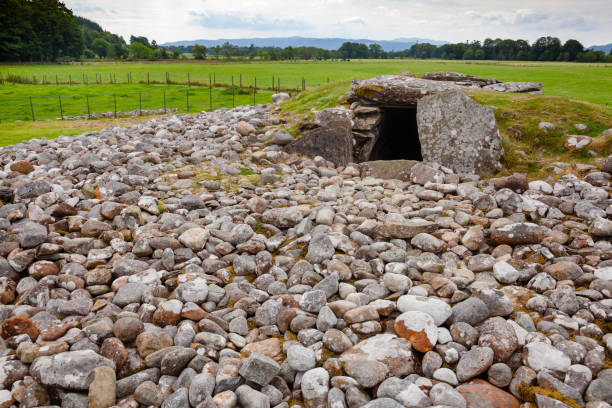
x=525, y=16
x=578, y=24
x=87, y=9
x=518, y=17
x=234, y=20
x=353, y=20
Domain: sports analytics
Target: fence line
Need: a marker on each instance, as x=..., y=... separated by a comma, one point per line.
x=146, y=78
x=192, y=99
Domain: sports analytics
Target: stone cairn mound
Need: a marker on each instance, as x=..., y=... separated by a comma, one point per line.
x=190, y=261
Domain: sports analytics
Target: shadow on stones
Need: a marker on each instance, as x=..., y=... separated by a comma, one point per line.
x=399, y=136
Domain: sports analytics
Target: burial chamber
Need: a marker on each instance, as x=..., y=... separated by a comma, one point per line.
x=398, y=136
x=401, y=117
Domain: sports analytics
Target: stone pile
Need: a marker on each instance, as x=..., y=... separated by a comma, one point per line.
x=190, y=261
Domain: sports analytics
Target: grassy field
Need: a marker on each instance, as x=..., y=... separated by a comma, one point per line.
x=79, y=100
x=567, y=86
x=590, y=82
x=13, y=133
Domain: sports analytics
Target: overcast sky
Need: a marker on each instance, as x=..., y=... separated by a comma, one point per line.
x=589, y=21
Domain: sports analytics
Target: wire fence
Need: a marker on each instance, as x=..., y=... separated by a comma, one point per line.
x=273, y=82
x=95, y=106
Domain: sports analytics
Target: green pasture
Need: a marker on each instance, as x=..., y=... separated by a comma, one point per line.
x=589, y=82
x=52, y=102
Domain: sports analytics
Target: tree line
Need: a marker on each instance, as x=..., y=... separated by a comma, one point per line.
x=543, y=49
x=46, y=30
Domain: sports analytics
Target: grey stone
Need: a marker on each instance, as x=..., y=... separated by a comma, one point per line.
x=457, y=132
x=471, y=311
x=474, y=362
x=70, y=370
x=259, y=369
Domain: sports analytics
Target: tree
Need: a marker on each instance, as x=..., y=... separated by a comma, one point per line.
x=217, y=51
x=55, y=30
x=469, y=54
x=176, y=54
x=572, y=48
x=376, y=51
x=142, y=40
x=140, y=51
x=546, y=48
x=489, y=49
x=199, y=52
x=101, y=47
x=16, y=40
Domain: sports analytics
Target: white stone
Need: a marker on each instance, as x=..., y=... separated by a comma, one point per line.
x=436, y=308
x=505, y=273
x=604, y=273
x=542, y=356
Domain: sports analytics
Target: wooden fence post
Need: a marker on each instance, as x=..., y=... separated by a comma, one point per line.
x=147, y=78
x=233, y=94
x=188, y=80
x=70, y=79
x=210, y=90
x=254, y=91
x=140, y=103
x=115, y=99
x=32, y=109
x=88, y=111
x=61, y=108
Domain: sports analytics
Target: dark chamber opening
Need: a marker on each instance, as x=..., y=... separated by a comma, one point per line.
x=399, y=136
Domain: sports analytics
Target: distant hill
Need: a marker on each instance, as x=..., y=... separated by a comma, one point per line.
x=605, y=48
x=398, y=44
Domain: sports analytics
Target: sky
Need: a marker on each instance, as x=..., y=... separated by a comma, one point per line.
x=589, y=21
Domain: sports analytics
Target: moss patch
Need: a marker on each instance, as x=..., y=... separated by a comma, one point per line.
x=528, y=392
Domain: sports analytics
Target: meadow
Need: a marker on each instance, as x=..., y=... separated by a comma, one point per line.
x=26, y=102
x=590, y=82
x=94, y=87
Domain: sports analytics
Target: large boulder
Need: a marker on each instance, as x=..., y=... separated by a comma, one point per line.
x=457, y=132
x=396, y=90
x=515, y=87
x=459, y=77
x=332, y=141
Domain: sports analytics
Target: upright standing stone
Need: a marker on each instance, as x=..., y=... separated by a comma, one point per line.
x=457, y=132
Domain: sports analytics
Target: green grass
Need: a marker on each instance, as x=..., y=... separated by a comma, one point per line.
x=532, y=150
x=15, y=99
x=13, y=133
x=590, y=82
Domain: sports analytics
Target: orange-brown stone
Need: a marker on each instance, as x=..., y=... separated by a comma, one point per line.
x=270, y=347
x=22, y=166
x=481, y=394
x=55, y=330
x=19, y=325
x=518, y=295
x=419, y=340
